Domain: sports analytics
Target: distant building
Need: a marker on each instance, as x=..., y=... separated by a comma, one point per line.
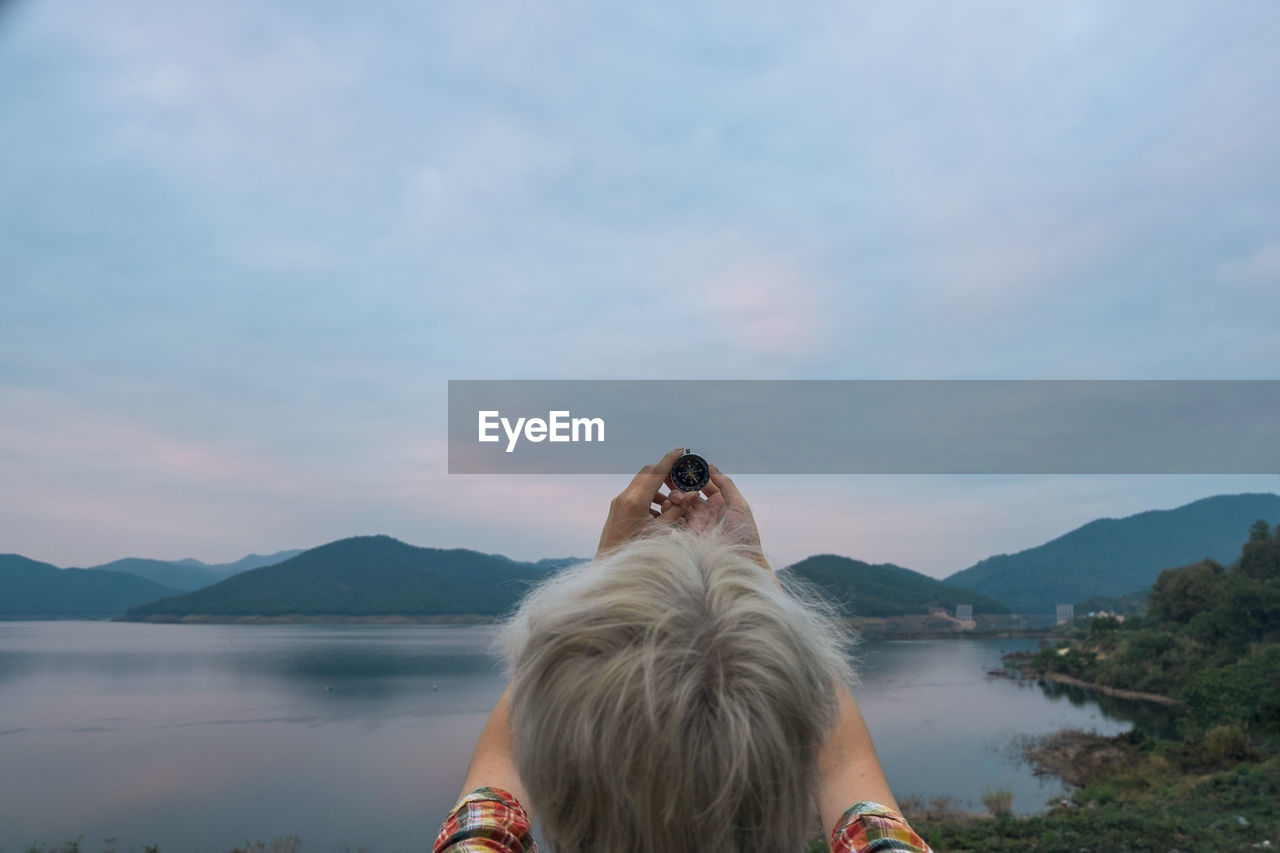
x=1104, y=614
x=964, y=612
x=1066, y=613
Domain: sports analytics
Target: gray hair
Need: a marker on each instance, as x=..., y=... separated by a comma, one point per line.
x=669, y=696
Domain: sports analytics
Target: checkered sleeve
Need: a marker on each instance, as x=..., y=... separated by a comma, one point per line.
x=486, y=820
x=869, y=827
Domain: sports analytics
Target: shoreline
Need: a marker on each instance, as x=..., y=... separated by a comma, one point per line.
x=1119, y=693
x=869, y=631
x=317, y=619
x=873, y=630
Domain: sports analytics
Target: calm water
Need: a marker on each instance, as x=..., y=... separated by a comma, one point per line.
x=199, y=738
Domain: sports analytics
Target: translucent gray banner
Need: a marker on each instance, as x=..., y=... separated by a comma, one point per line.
x=868, y=426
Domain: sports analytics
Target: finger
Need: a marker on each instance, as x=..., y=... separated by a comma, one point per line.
x=732, y=496
x=658, y=498
x=689, y=500
x=671, y=513
x=651, y=477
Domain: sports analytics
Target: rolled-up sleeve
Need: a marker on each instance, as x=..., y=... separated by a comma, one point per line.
x=869, y=827
x=486, y=820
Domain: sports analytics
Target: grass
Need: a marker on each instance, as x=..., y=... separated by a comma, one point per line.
x=1148, y=796
x=287, y=844
x=999, y=801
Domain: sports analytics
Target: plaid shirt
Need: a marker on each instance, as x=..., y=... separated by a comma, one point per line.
x=491, y=820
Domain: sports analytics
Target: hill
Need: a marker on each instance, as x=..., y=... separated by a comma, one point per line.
x=363, y=576
x=190, y=574
x=1113, y=557
x=31, y=589
x=247, y=562
x=371, y=576
x=863, y=589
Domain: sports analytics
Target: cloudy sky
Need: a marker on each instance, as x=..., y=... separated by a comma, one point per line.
x=243, y=246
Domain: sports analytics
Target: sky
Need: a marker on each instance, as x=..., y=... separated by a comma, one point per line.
x=244, y=246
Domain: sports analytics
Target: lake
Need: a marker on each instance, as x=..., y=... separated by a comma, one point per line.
x=204, y=737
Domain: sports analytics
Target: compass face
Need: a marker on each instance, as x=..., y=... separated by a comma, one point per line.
x=690, y=473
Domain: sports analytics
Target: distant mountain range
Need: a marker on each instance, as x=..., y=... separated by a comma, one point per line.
x=363, y=576
x=190, y=574
x=1114, y=557
x=31, y=589
x=377, y=576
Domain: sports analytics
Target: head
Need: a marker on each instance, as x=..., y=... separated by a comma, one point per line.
x=669, y=696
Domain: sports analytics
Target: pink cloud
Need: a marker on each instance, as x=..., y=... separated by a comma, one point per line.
x=766, y=304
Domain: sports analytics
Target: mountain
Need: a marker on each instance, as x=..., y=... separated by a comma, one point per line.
x=380, y=576
x=362, y=576
x=1113, y=557
x=250, y=561
x=174, y=575
x=190, y=574
x=863, y=589
x=29, y=588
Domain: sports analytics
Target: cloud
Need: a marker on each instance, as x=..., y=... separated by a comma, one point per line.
x=223, y=85
x=764, y=304
x=1257, y=269
x=57, y=435
x=472, y=180
x=248, y=243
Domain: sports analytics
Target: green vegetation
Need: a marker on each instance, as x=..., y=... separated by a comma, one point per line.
x=1211, y=641
x=1114, y=557
x=287, y=844
x=1132, y=604
x=1153, y=804
x=999, y=801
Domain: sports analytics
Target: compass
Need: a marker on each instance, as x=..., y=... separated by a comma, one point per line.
x=690, y=473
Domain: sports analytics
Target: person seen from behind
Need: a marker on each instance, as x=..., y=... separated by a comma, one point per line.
x=673, y=695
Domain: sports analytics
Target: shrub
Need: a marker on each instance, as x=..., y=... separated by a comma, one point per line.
x=288, y=844
x=999, y=801
x=1223, y=745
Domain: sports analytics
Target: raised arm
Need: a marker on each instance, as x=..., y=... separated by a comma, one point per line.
x=850, y=768
x=492, y=762
x=855, y=797
x=492, y=765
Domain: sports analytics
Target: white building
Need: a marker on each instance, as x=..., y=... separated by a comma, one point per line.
x=964, y=612
x=1066, y=613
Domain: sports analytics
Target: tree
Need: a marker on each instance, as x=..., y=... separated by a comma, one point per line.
x=1260, y=557
x=1179, y=594
x=1259, y=531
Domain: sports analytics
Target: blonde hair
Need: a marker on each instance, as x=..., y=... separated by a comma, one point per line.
x=671, y=697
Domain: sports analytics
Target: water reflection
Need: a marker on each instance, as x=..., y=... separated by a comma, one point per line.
x=200, y=737
x=1154, y=719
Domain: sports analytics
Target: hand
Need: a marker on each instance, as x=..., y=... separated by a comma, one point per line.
x=632, y=512
x=723, y=503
